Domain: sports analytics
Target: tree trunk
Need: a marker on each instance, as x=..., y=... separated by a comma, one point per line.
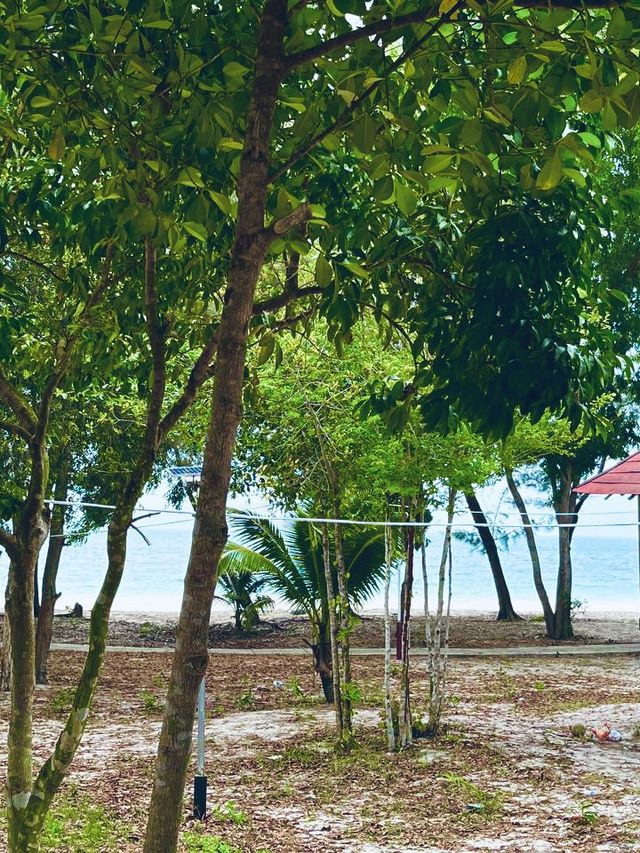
x=405, y=722
x=5, y=661
x=388, y=704
x=533, y=553
x=44, y=626
x=333, y=630
x=439, y=636
x=210, y=529
x=344, y=613
x=322, y=663
x=566, y=514
x=55, y=768
x=19, y=613
x=506, y=612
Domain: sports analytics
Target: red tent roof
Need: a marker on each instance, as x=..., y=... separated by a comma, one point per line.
x=622, y=479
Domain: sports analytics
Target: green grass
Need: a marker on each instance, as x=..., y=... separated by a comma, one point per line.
x=490, y=804
x=195, y=842
x=76, y=825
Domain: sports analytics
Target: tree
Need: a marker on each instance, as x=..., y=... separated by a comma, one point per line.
x=291, y=561
x=244, y=591
x=146, y=77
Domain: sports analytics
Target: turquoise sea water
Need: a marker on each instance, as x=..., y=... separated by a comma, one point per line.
x=605, y=570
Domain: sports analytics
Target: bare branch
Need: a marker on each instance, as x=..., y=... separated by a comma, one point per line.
x=292, y=220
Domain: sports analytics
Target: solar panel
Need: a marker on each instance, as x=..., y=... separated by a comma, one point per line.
x=186, y=470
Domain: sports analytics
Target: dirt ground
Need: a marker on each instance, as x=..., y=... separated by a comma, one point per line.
x=286, y=631
x=506, y=775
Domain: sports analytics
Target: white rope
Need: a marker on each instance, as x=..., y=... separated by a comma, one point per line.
x=367, y=523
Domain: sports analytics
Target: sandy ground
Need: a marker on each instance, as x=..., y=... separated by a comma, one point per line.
x=281, y=630
x=507, y=750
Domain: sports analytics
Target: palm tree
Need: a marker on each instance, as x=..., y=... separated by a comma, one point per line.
x=292, y=560
x=243, y=590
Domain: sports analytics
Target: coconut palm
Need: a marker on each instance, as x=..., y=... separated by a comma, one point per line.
x=292, y=560
x=243, y=590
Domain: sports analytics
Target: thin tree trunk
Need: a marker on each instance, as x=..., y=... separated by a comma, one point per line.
x=344, y=613
x=5, y=661
x=44, y=626
x=210, y=529
x=440, y=633
x=388, y=704
x=405, y=722
x=19, y=612
x=55, y=768
x=333, y=630
x=506, y=611
x=322, y=663
x=533, y=553
x=565, y=515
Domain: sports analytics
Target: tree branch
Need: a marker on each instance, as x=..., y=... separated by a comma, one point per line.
x=386, y=25
x=201, y=370
x=36, y=263
x=65, y=346
x=292, y=220
x=18, y=404
x=16, y=429
x=357, y=102
x=377, y=28
x=9, y=542
x=158, y=354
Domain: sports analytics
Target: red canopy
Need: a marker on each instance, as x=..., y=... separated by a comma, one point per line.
x=622, y=479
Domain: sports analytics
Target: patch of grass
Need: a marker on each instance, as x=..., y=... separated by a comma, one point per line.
x=150, y=702
x=195, y=842
x=488, y=804
x=77, y=824
x=588, y=814
x=245, y=701
x=231, y=813
x=61, y=701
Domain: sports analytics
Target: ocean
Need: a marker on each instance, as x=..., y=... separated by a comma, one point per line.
x=605, y=561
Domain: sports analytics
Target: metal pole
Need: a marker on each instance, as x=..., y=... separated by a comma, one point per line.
x=200, y=781
x=639, y=552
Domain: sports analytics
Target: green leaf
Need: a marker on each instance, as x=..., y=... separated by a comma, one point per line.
x=227, y=144
x=57, y=145
x=160, y=24
x=590, y=139
x=517, y=69
x=592, y=101
x=406, y=199
x=437, y=163
x=324, y=271
x=223, y=201
x=190, y=178
x=383, y=189
x=357, y=269
x=364, y=133
x=196, y=229
x=550, y=174
x=267, y=346
x=38, y=102
x=234, y=69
